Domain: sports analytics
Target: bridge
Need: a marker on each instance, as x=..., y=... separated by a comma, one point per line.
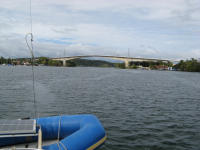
x=126, y=60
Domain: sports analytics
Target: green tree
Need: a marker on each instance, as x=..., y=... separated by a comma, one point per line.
x=70, y=63
x=189, y=65
x=120, y=65
x=2, y=60
x=43, y=60
x=54, y=63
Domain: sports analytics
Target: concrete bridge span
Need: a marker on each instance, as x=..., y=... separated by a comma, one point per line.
x=126, y=60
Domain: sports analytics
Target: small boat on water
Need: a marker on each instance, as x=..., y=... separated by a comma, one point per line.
x=70, y=132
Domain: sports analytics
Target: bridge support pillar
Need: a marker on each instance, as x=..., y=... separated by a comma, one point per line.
x=126, y=63
x=64, y=63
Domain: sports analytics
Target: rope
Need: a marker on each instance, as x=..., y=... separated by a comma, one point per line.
x=30, y=47
x=30, y=13
x=58, y=138
x=59, y=128
x=63, y=146
x=58, y=143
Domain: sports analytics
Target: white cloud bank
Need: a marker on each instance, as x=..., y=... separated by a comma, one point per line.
x=149, y=28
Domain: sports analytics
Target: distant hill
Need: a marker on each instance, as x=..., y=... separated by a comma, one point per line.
x=88, y=63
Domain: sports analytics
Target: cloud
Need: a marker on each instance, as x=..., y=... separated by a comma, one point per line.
x=193, y=53
x=185, y=10
x=165, y=29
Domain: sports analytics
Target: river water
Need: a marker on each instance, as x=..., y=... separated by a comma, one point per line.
x=140, y=110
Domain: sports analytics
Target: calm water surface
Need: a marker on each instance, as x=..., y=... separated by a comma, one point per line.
x=140, y=110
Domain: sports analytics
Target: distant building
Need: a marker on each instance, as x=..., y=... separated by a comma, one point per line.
x=162, y=67
x=17, y=62
x=26, y=63
x=143, y=68
x=170, y=68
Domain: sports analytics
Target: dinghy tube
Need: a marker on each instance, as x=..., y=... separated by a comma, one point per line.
x=77, y=132
x=70, y=132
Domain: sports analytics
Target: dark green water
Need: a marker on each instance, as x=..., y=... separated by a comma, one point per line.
x=140, y=110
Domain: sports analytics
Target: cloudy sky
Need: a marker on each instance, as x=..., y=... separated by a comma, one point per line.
x=167, y=29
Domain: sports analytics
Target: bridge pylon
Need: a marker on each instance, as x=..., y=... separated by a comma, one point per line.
x=64, y=63
x=126, y=63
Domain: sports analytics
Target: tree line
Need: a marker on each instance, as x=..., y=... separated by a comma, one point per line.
x=188, y=65
x=5, y=61
x=191, y=65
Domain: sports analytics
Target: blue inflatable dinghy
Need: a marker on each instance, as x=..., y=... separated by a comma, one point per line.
x=71, y=132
